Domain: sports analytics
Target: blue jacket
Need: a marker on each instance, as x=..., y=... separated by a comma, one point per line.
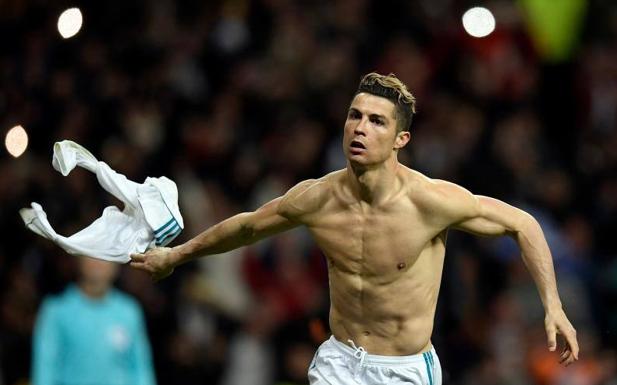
x=85, y=341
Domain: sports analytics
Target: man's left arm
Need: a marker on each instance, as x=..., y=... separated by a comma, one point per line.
x=486, y=216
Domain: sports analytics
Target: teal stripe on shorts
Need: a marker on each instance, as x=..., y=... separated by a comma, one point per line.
x=428, y=367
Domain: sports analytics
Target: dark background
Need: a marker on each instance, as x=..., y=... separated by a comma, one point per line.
x=239, y=100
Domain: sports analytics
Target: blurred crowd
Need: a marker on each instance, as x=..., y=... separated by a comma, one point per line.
x=238, y=100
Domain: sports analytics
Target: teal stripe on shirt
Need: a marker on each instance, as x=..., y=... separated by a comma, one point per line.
x=169, y=229
x=164, y=226
x=170, y=235
x=164, y=235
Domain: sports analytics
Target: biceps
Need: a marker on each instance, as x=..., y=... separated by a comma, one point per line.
x=494, y=218
x=482, y=226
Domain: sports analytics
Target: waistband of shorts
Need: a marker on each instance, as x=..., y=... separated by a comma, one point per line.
x=375, y=359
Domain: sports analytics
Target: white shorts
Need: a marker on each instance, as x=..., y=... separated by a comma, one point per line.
x=337, y=363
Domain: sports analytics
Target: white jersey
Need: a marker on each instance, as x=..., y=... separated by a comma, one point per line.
x=151, y=216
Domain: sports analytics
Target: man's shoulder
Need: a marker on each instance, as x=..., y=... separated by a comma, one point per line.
x=309, y=195
x=52, y=302
x=123, y=299
x=61, y=302
x=420, y=188
x=310, y=190
x=68, y=295
x=436, y=195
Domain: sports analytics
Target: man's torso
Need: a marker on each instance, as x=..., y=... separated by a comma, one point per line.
x=384, y=263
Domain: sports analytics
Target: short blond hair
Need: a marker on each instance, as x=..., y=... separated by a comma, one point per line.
x=393, y=89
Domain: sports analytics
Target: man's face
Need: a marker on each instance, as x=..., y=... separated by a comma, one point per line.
x=370, y=135
x=97, y=272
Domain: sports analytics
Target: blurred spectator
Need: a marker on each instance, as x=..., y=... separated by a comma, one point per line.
x=238, y=100
x=91, y=334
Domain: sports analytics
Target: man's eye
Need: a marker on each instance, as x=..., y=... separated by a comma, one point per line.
x=354, y=115
x=377, y=121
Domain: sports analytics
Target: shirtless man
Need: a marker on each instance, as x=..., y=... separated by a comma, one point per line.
x=382, y=228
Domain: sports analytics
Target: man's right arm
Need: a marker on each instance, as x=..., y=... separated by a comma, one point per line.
x=243, y=229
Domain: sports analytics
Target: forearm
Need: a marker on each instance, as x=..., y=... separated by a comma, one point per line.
x=537, y=257
x=230, y=234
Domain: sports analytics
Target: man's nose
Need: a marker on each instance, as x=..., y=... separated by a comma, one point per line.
x=360, y=128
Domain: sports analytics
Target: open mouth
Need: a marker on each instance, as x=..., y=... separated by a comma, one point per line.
x=356, y=144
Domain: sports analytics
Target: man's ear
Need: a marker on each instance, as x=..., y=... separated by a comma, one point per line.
x=402, y=138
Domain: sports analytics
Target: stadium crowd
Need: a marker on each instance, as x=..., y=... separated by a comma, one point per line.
x=238, y=100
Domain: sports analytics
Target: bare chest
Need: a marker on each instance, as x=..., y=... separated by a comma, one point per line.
x=372, y=242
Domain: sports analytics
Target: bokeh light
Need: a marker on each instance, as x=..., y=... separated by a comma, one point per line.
x=69, y=22
x=478, y=22
x=16, y=141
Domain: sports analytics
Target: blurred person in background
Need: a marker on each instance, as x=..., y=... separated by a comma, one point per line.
x=91, y=334
x=383, y=229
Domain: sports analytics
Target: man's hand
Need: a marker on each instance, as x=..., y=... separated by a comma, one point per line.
x=555, y=323
x=156, y=261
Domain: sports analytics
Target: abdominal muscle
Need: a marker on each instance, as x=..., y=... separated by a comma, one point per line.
x=386, y=315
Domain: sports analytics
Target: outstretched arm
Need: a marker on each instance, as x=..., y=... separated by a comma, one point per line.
x=240, y=230
x=490, y=217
